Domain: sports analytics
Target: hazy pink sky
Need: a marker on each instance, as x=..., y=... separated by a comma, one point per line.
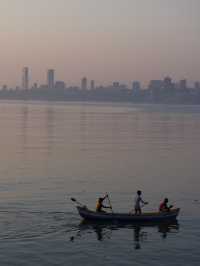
x=104, y=40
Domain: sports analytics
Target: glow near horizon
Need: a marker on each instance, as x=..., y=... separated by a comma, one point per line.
x=104, y=40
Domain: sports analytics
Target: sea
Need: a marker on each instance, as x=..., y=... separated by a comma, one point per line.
x=53, y=151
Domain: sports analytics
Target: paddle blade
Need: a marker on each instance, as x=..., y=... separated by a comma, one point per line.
x=73, y=199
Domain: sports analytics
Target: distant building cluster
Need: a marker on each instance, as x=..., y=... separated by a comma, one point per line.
x=158, y=91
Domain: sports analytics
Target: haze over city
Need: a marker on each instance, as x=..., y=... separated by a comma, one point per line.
x=107, y=40
x=100, y=132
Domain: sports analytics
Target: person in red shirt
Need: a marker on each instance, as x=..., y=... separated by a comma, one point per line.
x=164, y=206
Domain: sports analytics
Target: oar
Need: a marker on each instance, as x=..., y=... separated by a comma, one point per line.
x=76, y=201
x=109, y=202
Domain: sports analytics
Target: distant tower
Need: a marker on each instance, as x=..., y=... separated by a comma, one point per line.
x=92, y=85
x=183, y=84
x=197, y=85
x=35, y=86
x=84, y=83
x=25, y=78
x=116, y=84
x=136, y=87
x=50, y=78
x=167, y=82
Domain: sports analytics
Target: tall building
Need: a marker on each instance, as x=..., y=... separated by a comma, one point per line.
x=50, y=78
x=25, y=78
x=155, y=85
x=84, y=83
x=136, y=87
x=35, y=86
x=168, y=85
x=183, y=84
x=197, y=85
x=116, y=84
x=60, y=85
x=92, y=85
x=167, y=82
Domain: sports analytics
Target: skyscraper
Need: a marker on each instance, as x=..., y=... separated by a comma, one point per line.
x=197, y=85
x=50, y=78
x=136, y=87
x=25, y=78
x=92, y=85
x=84, y=83
x=183, y=84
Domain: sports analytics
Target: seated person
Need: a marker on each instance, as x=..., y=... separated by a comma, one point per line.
x=100, y=205
x=164, y=206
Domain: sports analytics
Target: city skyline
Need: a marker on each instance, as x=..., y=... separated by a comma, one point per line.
x=85, y=83
x=165, y=90
x=100, y=132
x=102, y=39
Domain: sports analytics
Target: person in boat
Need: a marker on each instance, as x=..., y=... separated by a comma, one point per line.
x=100, y=206
x=138, y=202
x=164, y=206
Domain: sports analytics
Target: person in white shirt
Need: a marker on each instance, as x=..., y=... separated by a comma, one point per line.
x=138, y=202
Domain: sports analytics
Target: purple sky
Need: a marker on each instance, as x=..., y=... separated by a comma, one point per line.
x=104, y=40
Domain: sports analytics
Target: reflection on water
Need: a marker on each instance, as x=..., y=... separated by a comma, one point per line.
x=53, y=151
x=44, y=123
x=138, y=233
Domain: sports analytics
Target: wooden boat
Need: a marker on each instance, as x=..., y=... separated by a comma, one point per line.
x=154, y=217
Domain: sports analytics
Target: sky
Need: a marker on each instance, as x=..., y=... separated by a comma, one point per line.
x=105, y=40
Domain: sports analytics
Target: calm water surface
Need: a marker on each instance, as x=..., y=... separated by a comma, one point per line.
x=53, y=151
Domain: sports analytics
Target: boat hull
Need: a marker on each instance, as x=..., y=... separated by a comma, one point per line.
x=89, y=215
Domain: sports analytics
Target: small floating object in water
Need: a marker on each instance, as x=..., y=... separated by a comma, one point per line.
x=71, y=238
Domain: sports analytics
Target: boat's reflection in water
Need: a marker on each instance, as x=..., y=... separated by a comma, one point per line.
x=139, y=232
x=164, y=229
